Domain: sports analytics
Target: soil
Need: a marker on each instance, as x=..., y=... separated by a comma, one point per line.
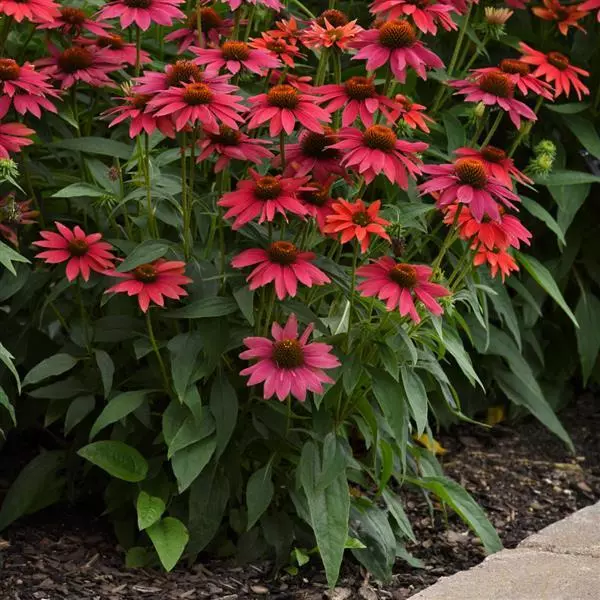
x=522, y=475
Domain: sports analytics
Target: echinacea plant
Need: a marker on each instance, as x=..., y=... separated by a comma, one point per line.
x=260, y=251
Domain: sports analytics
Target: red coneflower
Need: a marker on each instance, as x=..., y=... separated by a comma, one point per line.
x=13, y=137
x=283, y=264
x=278, y=47
x=232, y=56
x=82, y=253
x=212, y=25
x=79, y=63
x=36, y=11
x=264, y=196
x=116, y=49
x=289, y=364
x=14, y=214
x=327, y=32
x=519, y=73
x=399, y=284
x=235, y=4
x=198, y=103
x=72, y=21
x=282, y=106
x=411, y=113
x=318, y=201
x=565, y=16
x=25, y=89
x=495, y=89
x=230, y=144
x=356, y=220
x=591, y=5
x=426, y=14
x=499, y=261
x=359, y=98
x=152, y=282
x=395, y=43
x=378, y=150
x=142, y=12
x=556, y=69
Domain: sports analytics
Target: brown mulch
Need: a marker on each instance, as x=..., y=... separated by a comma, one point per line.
x=522, y=475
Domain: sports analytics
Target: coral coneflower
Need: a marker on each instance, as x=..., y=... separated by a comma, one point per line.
x=495, y=89
x=89, y=65
x=36, y=11
x=591, y=5
x=82, y=253
x=395, y=43
x=283, y=264
x=134, y=108
x=25, y=89
x=399, y=284
x=232, y=56
x=282, y=106
x=13, y=137
x=556, y=69
x=313, y=155
x=378, y=150
x=356, y=220
x=425, y=14
x=152, y=282
x=213, y=27
x=519, y=73
x=288, y=364
x=564, y=15
x=14, y=214
x=322, y=33
x=142, y=12
x=358, y=97
x=230, y=144
x=318, y=201
x=277, y=47
x=411, y=113
x=467, y=181
x=499, y=261
x=72, y=21
x=264, y=196
x=198, y=103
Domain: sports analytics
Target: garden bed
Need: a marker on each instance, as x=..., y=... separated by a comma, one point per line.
x=523, y=477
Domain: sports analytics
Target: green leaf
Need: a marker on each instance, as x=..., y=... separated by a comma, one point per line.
x=584, y=130
x=416, y=396
x=117, y=459
x=149, y=510
x=188, y=463
x=190, y=432
x=396, y=509
x=467, y=509
x=144, y=253
x=224, y=407
x=588, y=334
x=329, y=511
x=138, y=557
x=78, y=410
x=5, y=402
x=118, y=408
x=107, y=370
x=544, y=278
x=539, y=212
x=259, y=493
x=95, y=145
x=66, y=388
x=217, y=306
x=31, y=482
x=8, y=256
x=568, y=109
x=455, y=346
x=169, y=537
x=455, y=132
x=559, y=177
x=569, y=199
x=245, y=299
x=184, y=351
x=75, y=190
x=7, y=358
x=50, y=367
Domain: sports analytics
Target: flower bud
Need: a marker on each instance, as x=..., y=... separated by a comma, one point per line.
x=545, y=147
x=8, y=169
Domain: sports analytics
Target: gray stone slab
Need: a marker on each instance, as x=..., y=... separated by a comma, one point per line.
x=522, y=574
x=577, y=534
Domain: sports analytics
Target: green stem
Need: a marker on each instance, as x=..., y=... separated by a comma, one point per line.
x=161, y=364
x=248, y=27
x=152, y=228
x=448, y=241
x=269, y=313
x=282, y=149
x=199, y=24
x=352, y=290
x=138, y=49
x=303, y=8
x=322, y=67
x=525, y=128
x=83, y=315
x=184, y=197
x=476, y=54
x=492, y=131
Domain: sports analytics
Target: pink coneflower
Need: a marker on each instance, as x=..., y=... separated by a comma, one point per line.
x=591, y=5
x=313, y=155
x=399, y=284
x=232, y=56
x=36, y=11
x=282, y=106
x=153, y=281
x=356, y=220
x=318, y=201
x=426, y=14
x=230, y=144
x=79, y=63
x=212, y=25
x=116, y=49
x=263, y=196
x=277, y=47
x=412, y=113
x=328, y=35
x=378, y=150
x=519, y=73
x=497, y=164
x=198, y=103
x=14, y=214
x=13, y=137
x=82, y=253
x=556, y=69
x=72, y=21
x=302, y=83
x=467, y=181
x=564, y=15
x=495, y=89
x=25, y=89
x=180, y=72
x=498, y=261
x=135, y=108
x=142, y=12
x=273, y=4
x=283, y=264
x=395, y=43
x=289, y=364
x=501, y=235
x=359, y=98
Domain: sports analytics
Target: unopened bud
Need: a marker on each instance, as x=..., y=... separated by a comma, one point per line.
x=479, y=110
x=545, y=147
x=8, y=169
